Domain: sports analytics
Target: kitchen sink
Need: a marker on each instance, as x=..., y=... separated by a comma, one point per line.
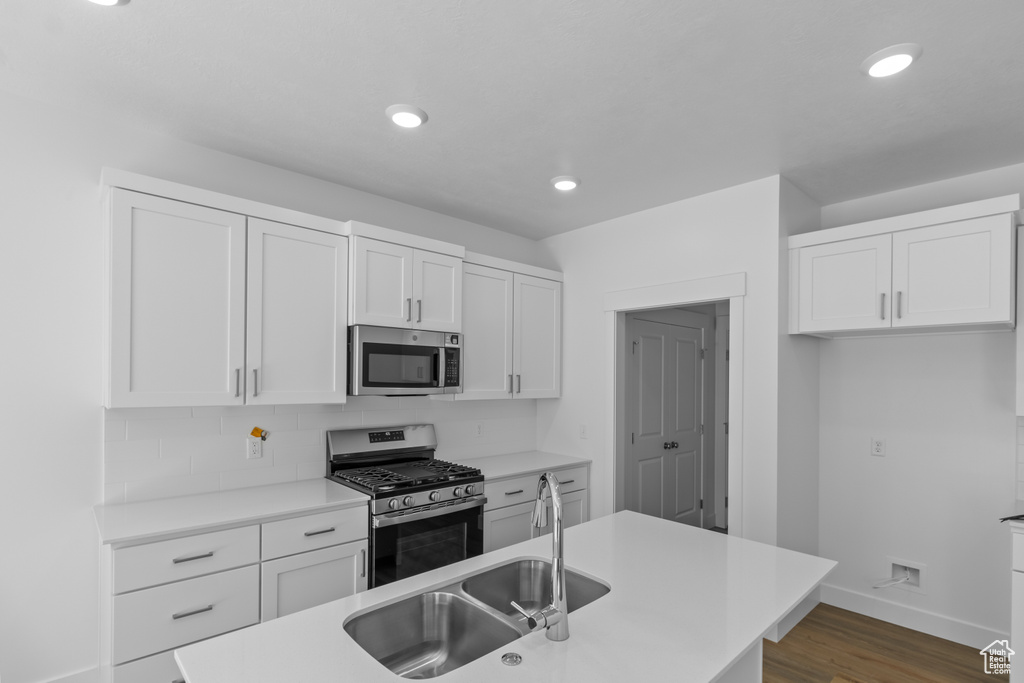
x=528, y=582
x=431, y=633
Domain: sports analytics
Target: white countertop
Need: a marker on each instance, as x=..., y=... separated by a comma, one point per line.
x=527, y=462
x=167, y=517
x=684, y=605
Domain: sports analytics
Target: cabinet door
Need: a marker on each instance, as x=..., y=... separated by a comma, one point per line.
x=437, y=291
x=177, y=298
x=487, y=328
x=846, y=285
x=955, y=273
x=537, y=333
x=575, y=509
x=507, y=526
x=381, y=283
x=1017, y=623
x=298, y=582
x=297, y=325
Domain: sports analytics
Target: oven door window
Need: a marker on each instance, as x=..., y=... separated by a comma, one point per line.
x=399, y=365
x=410, y=548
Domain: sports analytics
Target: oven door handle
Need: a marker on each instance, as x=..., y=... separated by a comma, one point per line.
x=393, y=518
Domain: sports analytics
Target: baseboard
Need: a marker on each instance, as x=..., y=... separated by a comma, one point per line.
x=933, y=624
x=97, y=675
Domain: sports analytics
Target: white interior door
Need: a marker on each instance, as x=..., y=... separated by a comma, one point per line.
x=487, y=333
x=297, y=315
x=664, y=462
x=437, y=291
x=177, y=303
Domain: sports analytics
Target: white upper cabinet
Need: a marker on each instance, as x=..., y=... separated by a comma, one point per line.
x=513, y=334
x=191, y=325
x=958, y=273
x=296, y=339
x=862, y=279
x=393, y=285
x=177, y=303
x=487, y=327
x=537, y=329
x=847, y=285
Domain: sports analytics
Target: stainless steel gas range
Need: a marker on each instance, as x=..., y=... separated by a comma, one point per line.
x=424, y=513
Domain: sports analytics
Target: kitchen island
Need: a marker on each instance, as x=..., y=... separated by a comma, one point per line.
x=685, y=605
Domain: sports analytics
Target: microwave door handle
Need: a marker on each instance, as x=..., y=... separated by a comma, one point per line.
x=440, y=368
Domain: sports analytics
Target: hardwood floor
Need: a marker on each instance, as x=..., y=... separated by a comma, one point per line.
x=832, y=643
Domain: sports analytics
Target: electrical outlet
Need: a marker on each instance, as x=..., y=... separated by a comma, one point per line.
x=912, y=574
x=583, y=431
x=253, y=448
x=479, y=429
x=877, y=446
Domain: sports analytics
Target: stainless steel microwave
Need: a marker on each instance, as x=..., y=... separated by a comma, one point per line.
x=388, y=361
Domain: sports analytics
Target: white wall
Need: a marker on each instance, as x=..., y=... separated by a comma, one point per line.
x=51, y=284
x=944, y=404
x=730, y=231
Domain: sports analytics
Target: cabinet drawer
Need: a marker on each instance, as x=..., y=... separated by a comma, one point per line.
x=159, y=668
x=299, y=534
x=142, y=566
x=502, y=492
x=1018, y=551
x=165, y=617
x=574, y=479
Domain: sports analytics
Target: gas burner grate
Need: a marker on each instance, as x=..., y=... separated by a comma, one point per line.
x=375, y=478
x=404, y=475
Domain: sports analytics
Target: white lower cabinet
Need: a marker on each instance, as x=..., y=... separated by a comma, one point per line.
x=298, y=582
x=509, y=510
x=1017, y=606
x=159, y=668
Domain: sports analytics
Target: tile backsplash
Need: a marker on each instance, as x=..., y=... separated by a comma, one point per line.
x=161, y=452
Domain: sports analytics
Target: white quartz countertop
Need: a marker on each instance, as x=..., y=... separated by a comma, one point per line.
x=685, y=604
x=167, y=517
x=527, y=462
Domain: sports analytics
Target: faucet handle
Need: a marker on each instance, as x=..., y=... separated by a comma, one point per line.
x=531, y=621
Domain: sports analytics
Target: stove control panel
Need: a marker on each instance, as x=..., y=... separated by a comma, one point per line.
x=392, y=435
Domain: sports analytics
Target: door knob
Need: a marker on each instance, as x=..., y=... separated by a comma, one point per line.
x=675, y=444
x=667, y=445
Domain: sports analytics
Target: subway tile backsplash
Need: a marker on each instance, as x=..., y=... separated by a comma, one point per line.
x=161, y=452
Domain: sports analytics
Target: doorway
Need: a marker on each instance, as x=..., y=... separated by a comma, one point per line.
x=723, y=288
x=675, y=461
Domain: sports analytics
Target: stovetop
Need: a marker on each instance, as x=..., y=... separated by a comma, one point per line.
x=416, y=474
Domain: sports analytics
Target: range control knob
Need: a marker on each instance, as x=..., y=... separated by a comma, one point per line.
x=407, y=501
x=457, y=492
x=393, y=503
x=470, y=489
x=435, y=496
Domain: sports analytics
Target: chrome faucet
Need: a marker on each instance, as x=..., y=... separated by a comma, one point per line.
x=554, y=617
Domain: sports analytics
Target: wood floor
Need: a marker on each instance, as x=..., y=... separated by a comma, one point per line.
x=832, y=643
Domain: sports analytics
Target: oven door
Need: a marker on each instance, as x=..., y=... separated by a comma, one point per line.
x=403, y=545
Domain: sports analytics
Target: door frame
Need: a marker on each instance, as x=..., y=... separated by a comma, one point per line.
x=684, y=293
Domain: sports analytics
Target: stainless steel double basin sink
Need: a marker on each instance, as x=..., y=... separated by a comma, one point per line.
x=432, y=633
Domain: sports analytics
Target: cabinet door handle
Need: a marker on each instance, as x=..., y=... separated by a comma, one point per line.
x=408, y=305
x=899, y=304
x=255, y=383
x=519, y=384
x=179, y=560
x=883, y=305
x=510, y=384
x=317, y=533
x=512, y=493
x=419, y=310
x=190, y=613
x=238, y=382
x=364, y=563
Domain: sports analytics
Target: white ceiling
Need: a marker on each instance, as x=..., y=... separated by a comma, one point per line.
x=648, y=101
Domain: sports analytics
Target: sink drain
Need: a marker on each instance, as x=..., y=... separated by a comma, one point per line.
x=511, y=658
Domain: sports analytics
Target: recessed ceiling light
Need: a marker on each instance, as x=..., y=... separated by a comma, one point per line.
x=565, y=182
x=110, y=3
x=406, y=115
x=891, y=60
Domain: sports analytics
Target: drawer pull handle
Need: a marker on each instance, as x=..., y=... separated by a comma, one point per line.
x=317, y=533
x=512, y=493
x=364, y=563
x=190, y=613
x=568, y=481
x=179, y=560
